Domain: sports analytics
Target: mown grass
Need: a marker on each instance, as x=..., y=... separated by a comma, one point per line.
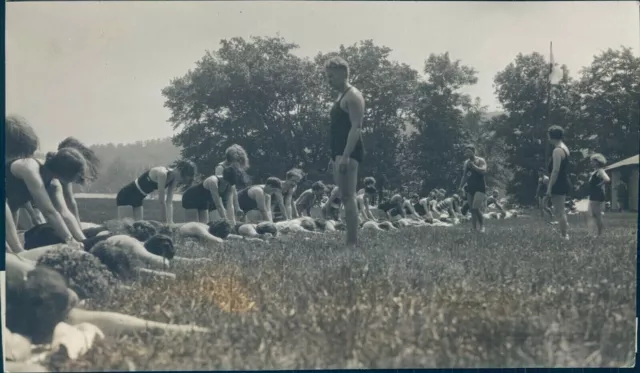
x=418, y=298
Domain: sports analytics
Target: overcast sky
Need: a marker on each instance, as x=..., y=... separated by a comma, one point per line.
x=95, y=70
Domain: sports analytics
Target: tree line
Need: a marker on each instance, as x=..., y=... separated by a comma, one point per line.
x=257, y=93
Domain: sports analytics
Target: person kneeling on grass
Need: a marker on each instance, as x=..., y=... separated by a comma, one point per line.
x=255, y=201
x=408, y=204
x=38, y=299
x=364, y=202
x=310, y=198
x=393, y=208
x=332, y=208
x=211, y=195
x=493, y=199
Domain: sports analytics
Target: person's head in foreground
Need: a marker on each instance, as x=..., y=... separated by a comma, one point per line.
x=67, y=165
x=272, y=185
x=93, y=162
x=318, y=188
x=83, y=272
x=235, y=154
x=187, y=172
x=469, y=151
x=293, y=177
x=266, y=227
x=118, y=261
x=598, y=161
x=20, y=139
x=337, y=72
x=555, y=134
x=37, y=304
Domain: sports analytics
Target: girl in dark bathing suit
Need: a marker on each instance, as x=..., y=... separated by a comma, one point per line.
x=28, y=180
x=164, y=180
x=21, y=141
x=347, y=150
x=310, y=198
x=255, y=201
x=289, y=187
x=394, y=207
x=559, y=182
x=234, y=155
x=212, y=194
x=597, y=180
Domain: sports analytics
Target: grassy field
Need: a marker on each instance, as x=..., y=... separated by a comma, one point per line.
x=417, y=298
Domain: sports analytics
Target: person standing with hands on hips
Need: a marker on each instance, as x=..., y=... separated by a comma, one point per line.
x=347, y=149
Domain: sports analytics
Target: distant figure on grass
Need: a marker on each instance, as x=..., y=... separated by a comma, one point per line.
x=234, y=155
x=494, y=199
x=597, y=180
x=347, y=149
x=394, y=208
x=331, y=209
x=473, y=174
x=289, y=187
x=544, y=204
x=408, y=206
x=255, y=201
x=164, y=180
x=212, y=194
x=310, y=198
x=29, y=180
x=559, y=182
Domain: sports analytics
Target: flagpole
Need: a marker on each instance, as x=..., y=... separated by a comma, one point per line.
x=546, y=153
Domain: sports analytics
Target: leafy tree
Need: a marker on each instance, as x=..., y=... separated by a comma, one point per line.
x=438, y=119
x=254, y=93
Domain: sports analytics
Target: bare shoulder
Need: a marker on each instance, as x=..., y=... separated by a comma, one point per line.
x=25, y=165
x=354, y=95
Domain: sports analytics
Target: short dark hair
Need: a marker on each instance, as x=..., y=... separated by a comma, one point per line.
x=369, y=180
x=274, y=182
x=161, y=245
x=67, y=163
x=221, y=228
x=337, y=62
x=555, y=132
x=470, y=146
x=93, y=162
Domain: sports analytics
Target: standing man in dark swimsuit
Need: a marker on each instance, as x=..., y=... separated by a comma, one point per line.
x=473, y=173
x=347, y=149
x=559, y=182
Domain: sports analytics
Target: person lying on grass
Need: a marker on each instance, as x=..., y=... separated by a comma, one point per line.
x=310, y=198
x=255, y=201
x=212, y=194
x=38, y=299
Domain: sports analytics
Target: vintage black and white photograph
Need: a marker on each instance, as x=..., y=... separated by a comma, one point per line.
x=320, y=185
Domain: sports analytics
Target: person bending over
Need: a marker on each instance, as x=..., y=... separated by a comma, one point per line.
x=310, y=198
x=163, y=179
x=255, y=201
